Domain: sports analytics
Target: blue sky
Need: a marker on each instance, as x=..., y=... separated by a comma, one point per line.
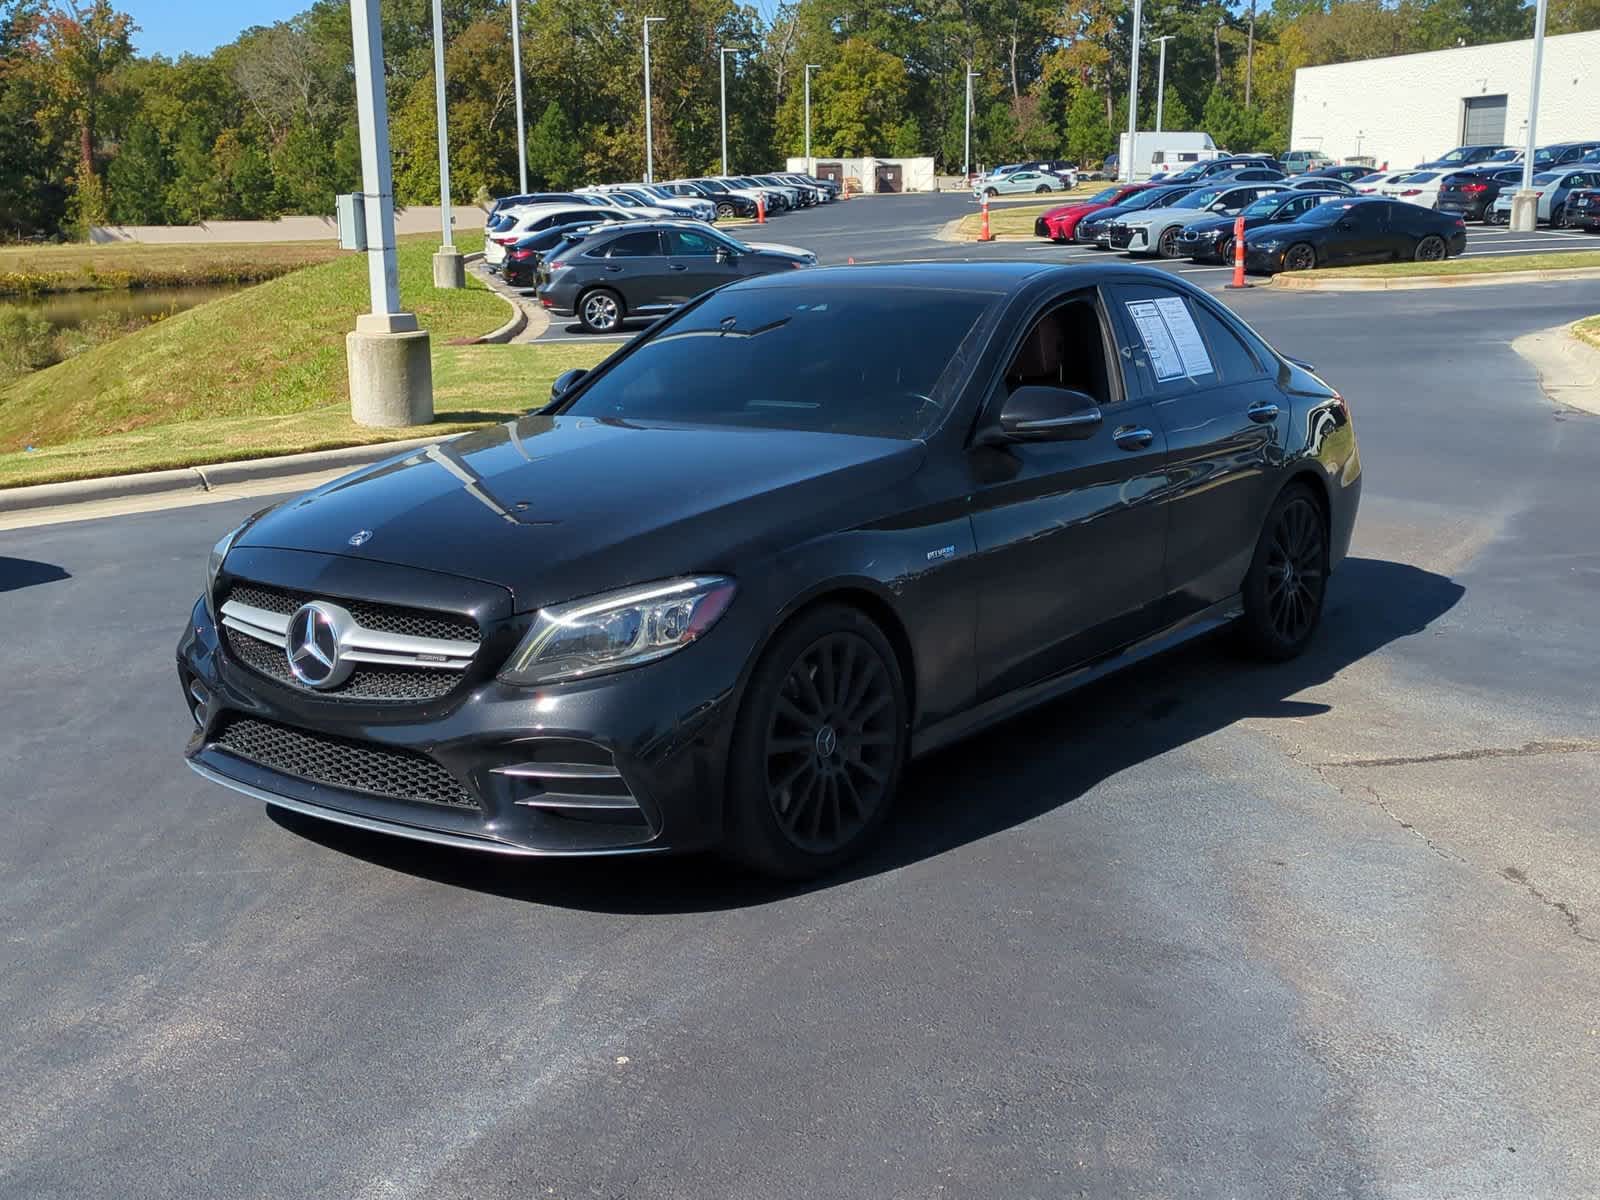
x=172, y=27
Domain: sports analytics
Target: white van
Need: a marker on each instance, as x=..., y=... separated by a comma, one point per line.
x=1166, y=152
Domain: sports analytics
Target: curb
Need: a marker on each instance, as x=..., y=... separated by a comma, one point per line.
x=1285, y=281
x=204, y=478
x=1568, y=367
x=948, y=232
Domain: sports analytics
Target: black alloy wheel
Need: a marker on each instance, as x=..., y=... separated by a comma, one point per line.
x=1431, y=249
x=1299, y=257
x=1167, y=247
x=1288, y=578
x=1558, y=217
x=819, y=745
x=1225, y=252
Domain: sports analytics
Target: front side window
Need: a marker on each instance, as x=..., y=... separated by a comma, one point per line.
x=868, y=360
x=686, y=243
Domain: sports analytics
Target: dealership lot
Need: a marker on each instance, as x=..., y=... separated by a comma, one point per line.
x=1209, y=929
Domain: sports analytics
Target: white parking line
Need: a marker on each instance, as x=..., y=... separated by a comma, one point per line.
x=1546, y=250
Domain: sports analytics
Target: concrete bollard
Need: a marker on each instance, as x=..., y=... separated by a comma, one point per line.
x=449, y=268
x=391, y=371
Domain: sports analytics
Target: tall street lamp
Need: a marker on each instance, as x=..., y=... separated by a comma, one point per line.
x=448, y=268
x=722, y=70
x=391, y=374
x=1133, y=91
x=966, y=151
x=1525, y=204
x=1161, y=77
x=649, y=137
x=810, y=67
x=522, y=138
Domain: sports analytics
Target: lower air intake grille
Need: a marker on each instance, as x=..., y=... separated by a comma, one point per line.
x=343, y=763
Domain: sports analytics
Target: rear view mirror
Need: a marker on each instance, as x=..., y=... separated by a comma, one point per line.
x=565, y=382
x=1046, y=414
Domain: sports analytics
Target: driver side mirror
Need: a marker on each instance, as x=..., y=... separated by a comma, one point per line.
x=565, y=382
x=1348, y=226
x=724, y=255
x=1035, y=413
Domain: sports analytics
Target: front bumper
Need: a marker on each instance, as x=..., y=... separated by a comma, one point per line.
x=1203, y=246
x=1262, y=262
x=629, y=763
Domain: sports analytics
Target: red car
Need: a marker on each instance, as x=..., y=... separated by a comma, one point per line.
x=1058, y=223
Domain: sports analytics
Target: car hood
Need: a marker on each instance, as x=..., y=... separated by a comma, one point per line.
x=1072, y=210
x=1283, y=231
x=557, y=507
x=1215, y=224
x=1150, y=215
x=780, y=249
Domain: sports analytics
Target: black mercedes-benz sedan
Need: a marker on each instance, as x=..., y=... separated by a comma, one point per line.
x=1359, y=230
x=1210, y=239
x=721, y=587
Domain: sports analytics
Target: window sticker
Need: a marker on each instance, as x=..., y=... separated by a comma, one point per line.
x=1171, y=338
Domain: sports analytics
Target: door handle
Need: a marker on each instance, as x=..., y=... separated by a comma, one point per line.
x=1133, y=437
x=1263, y=413
x=676, y=267
x=611, y=267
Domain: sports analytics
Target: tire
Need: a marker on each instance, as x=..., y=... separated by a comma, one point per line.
x=1558, y=217
x=601, y=310
x=724, y=209
x=1041, y=189
x=819, y=745
x=1287, y=584
x=1226, y=252
x=1432, y=249
x=1300, y=257
x=990, y=192
x=1167, y=243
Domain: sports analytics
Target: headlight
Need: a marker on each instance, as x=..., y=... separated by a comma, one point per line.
x=219, y=553
x=618, y=629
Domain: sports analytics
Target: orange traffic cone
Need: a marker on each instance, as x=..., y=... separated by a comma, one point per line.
x=761, y=209
x=1238, y=253
x=985, y=235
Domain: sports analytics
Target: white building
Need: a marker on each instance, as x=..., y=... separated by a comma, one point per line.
x=1413, y=107
x=871, y=174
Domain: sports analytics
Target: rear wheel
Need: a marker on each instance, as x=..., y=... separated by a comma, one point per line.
x=724, y=209
x=1043, y=187
x=1288, y=577
x=600, y=310
x=1558, y=217
x=1431, y=249
x=818, y=749
x=990, y=192
x=1167, y=245
x=1299, y=257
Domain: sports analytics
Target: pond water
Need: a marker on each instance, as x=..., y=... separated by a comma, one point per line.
x=69, y=310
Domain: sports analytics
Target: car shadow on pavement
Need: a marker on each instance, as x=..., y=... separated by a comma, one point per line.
x=19, y=573
x=1012, y=773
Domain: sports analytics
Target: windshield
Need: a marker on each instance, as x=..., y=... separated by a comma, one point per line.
x=1325, y=214
x=864, y=360
x=1543, y=156
x=1105, y=197
x=1547, y=177
x=1198, y=199
x=1154, y=198
x=1263, y=206
x=1504, y=156
x=1455, y=156
x=711, y=185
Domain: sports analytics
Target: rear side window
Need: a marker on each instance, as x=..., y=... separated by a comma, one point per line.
x=636, y=245
x=1233, y=359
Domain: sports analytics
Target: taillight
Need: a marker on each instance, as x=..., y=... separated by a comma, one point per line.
x=504, y=241
x=1538, y=193
x=523, y=255
x=556, y=266
x=1460, y=224
x=1474, y=188
x=1412, y=192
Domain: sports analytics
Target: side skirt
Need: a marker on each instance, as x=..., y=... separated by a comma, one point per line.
x=1001, y=708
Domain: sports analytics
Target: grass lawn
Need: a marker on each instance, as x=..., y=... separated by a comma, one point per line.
x=1589, y=331
x=1018, y=218
x=472, y=385
x=1491, y=265
x=28, y=270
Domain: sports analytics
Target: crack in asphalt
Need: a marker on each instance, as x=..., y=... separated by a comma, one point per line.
x=1447, y=855
x=1560, y=906
x=1526, y=750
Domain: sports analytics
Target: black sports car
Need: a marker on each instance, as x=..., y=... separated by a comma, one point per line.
x=1583, y=209
x=1356, y=230
x=1095, y=229
x=1345, y=174
x=1470, y=194
x=723, y=585
x=1210, y=239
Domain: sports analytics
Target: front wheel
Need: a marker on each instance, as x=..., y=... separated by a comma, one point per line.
x=1431, y=249
x=990, y=192
x=1226, y=251
x=1041, y=189
x=600, y=310
x=726, y=210
x=1299, y=257
x=1167, y=244
x=1288, y=577
x=819, y=745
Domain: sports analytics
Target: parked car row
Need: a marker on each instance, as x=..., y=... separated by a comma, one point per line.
x=1042, y=175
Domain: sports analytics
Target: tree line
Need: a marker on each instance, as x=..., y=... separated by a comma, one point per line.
x=92, y=132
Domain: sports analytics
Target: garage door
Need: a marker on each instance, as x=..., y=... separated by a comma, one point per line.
x=1485, y=123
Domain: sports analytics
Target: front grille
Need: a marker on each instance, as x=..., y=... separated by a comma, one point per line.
x=343, y=763
x=385, y=618
x=366, y=682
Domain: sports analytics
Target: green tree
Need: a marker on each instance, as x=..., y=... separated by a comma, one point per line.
x=1089, y=136
x=554, y=158
x=858, y=103
x=138, y=178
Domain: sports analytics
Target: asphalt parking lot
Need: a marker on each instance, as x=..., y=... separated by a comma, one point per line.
x=1207, y=929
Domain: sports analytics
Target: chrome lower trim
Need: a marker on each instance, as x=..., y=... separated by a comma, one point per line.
x=415, y=833
x=535, y=770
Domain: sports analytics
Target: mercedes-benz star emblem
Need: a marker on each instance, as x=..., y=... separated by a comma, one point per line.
x=361, y=537
x=312, y=645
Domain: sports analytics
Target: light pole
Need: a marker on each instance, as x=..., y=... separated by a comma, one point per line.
x=722, y=70
x=810, y=67
x=1525, y=204
x=522, y=138
x=1161, y=77
x=1133, y=92
x=391, y=374
x=966, y=152
x=649, y=135
x=448, y=270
